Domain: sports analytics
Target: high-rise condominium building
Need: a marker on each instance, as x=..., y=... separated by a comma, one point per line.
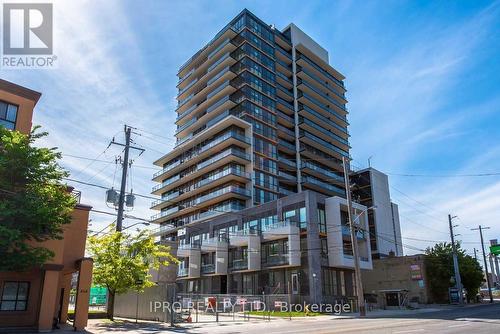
x=253, y=192
x=261, y=115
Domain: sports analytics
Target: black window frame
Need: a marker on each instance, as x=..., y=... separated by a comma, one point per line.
x=5, y=119
x=2, y=300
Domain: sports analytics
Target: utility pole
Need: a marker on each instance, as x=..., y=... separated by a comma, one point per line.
x=125, y=163
x=354, y=240
x=458, y=280
x=484, y=258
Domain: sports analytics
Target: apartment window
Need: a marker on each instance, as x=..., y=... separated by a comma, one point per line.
x=322, y=219
x=262, y=196
x=8, y=115
x=14, y=296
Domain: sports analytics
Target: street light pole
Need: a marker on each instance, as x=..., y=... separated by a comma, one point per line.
x=354, y=241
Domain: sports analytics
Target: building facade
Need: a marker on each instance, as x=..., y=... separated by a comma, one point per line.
x=284, y=244
x=35, y=298
x=371, y=188
x=253, y=195
x=397, y=282
x=261, y=115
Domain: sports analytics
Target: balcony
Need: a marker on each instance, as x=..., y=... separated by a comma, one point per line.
x=287, y=162
x=181, y=272
x=321, y=144
x=319, y=131
x=327, y=122
x=285, y=230
x=222, y=141
x=320, y=94
x=284, y=91
x=199, y=59
x=286, y=107
x=286, y=178
x=207, y=269
x=320, y=172
x=240, y=264
x=285, y=132
x=315, y=104
x=306, y=74
x=284, y=80
x=203, y=185
x=303, y=60
x=286, y=146
x=276, y=260
x=320, y=186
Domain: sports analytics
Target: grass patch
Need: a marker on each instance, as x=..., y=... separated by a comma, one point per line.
x=72, y=312
x=283, y=314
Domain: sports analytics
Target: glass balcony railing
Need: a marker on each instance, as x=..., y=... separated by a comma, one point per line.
x=285, y=130
x=284, y=90
x=287, y=145
x=207, y=268
x=326, y=172
x=166, y=183
x=186, y=125
x=182, y=272
x=240, y=264
x=218, y=89
x=217, y=211
x=310, y=179
x=279, y=259
x=167, y=168
x=287, y=176
x=187, y=75
x=165, y=213
x=324, y=118
x=318, y=127
x=321, y=70
x=324, y=143
x=190, y=60
x=218, y=62
x=220, y=192
x=222, y=156
x=322, y=106
x=220, y=47
x=189, y=85
x=288, y=162
x=283, y=52
x=285, y=103
x=218, y=75
x=186, y=112
x=166, y=199
x=277, y=225
x=285, y=116
x=322, y=83
x=285, y=65
x=284, y=77
x=217, y=104
x=322, y=94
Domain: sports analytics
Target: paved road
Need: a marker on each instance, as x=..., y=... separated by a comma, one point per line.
x=470, y=320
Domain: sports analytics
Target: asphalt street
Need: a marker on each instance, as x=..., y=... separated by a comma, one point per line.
x=472, y=319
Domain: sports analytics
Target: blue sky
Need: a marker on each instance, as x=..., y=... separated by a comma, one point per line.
x=423, y=83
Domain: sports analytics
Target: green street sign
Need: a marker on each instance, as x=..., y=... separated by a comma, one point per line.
x=495, y=249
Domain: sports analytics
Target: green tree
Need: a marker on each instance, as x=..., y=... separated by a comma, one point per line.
x=439, y=268
x=122, y=262
x=34, y=205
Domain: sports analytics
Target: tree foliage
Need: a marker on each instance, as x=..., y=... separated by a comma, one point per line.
x=439, y=267
x=34, y=205
x=122, y=261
